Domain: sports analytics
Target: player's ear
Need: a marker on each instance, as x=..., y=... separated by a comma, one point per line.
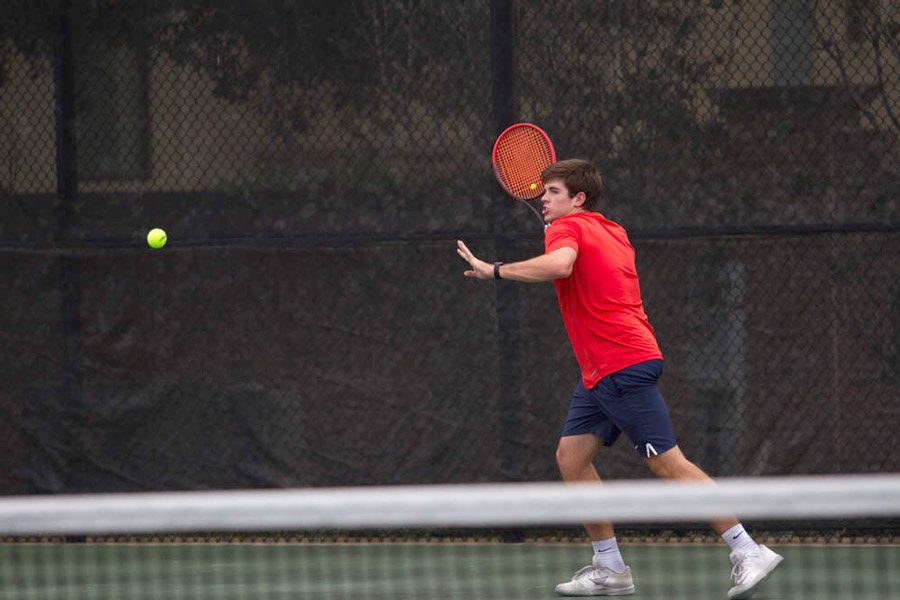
x=580, y=198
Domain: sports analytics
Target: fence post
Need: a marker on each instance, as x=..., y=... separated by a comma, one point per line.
x=507, y=295
x=66, y=192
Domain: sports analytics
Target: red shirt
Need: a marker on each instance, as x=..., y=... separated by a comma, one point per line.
x=601, y=300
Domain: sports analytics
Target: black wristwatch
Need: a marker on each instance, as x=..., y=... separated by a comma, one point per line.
x=497, y=270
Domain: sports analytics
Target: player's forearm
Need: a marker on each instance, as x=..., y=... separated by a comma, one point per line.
x=546, y=267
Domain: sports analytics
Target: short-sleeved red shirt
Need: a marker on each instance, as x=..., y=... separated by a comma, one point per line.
x=601, y=300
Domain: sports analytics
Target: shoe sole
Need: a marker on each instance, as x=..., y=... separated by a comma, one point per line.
x=752, y=589
x=623, y=592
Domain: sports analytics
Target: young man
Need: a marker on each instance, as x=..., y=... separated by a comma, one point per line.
x=591, y=263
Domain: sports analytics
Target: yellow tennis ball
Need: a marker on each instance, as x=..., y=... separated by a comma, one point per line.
x=533, y=186
x=156, y=238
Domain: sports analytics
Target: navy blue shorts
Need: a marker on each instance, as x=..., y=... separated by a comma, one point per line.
x=629, y=401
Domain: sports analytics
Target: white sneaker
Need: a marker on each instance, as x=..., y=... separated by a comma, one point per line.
x=750, y=570
x=598, y=581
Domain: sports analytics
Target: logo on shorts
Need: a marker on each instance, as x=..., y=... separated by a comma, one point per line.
x=650, y=450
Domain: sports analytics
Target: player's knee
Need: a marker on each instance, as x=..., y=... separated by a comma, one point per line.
x=570, y=460
x=661, y=468
x=670, y=465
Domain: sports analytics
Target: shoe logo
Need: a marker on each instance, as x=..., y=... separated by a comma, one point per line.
x=650, y=450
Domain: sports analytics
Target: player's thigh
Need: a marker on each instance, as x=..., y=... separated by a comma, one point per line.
x=640, y=409
x=587, y=415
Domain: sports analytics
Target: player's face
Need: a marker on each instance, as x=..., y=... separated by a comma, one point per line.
x=557, y=202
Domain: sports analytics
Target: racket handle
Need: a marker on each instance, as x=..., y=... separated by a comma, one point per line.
x=537, y=214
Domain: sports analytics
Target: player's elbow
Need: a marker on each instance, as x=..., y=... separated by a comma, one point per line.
x=563, y=271
x=564, y=262
x=564, y=268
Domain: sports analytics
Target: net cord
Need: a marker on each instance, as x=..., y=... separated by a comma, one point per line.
x=465, y=505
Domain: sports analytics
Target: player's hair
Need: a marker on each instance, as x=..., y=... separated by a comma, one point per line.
x=578, y=176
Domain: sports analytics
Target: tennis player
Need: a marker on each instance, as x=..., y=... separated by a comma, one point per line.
x=591, y=263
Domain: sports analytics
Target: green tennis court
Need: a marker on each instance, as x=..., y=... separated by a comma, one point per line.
x=419, y=570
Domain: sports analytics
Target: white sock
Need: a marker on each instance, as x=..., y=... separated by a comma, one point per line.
x=739, y=540
x=606, y=554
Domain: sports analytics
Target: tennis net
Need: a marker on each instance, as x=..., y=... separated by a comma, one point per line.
x=838, y=536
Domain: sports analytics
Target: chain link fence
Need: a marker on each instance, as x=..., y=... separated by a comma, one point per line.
x=313, y=163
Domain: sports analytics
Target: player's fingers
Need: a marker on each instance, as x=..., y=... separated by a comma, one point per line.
x=466, y=256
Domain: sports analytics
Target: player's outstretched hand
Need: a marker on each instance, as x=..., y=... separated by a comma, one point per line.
x=479, y=268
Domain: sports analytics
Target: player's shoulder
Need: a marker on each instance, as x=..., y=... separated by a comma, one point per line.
x=595, y=219
x=581, y=220
x=588, y=226
x=563, y=226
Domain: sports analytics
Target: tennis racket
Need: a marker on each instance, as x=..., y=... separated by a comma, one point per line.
x=520, y=154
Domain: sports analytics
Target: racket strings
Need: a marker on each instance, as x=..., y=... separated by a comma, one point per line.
x=522, y=154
